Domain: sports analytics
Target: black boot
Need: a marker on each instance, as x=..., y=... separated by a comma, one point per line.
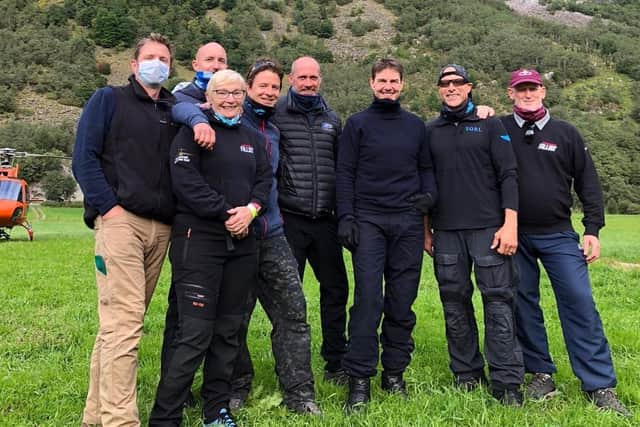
x=394, y=384
x=359, y=393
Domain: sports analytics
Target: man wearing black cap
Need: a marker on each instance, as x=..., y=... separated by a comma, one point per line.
x=475, y=224
x=551, y=155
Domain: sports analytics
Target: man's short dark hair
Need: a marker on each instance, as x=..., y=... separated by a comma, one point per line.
x=153, y=37
x=263, y=64
x=383, y=64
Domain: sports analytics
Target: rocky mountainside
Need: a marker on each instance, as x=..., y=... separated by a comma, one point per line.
x=534, y=9
x=33, y=107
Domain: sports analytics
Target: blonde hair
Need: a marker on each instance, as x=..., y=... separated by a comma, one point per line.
x=223, y=77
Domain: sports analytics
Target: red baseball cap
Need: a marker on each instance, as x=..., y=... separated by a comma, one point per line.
x=524, y=75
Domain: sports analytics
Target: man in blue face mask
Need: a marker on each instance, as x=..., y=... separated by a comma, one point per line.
x=120, y=160
x=210, y=58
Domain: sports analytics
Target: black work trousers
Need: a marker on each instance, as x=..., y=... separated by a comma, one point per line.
x=171, y=331
x=279, y=291
x=316, y=240
x=391, y=246
x=211, y=289
x=456, y=252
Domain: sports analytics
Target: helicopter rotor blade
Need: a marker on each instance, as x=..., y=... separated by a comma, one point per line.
x=54, y=156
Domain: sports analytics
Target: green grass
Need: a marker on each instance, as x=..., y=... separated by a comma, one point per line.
x=48, y=322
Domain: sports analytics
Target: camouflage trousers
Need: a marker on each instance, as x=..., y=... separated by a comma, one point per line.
x=280, y=294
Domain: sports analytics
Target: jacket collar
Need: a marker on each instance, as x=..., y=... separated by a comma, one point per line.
x=439, y=121
x=164, y=97
x=293, y=106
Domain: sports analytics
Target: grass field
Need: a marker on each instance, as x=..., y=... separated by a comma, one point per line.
x=48, y=322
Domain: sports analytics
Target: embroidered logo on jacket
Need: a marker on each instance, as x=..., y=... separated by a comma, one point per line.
x=476, y=129
x=182, y=157
x=246, y=148
x=326, y=126
x=547, y=146
x=505, y=138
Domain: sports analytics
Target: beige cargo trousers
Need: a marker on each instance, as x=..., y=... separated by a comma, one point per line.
x=129, y=253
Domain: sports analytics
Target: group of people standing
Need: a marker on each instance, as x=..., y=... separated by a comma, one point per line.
x=253, y=185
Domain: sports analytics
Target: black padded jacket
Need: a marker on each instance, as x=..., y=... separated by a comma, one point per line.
x=308, y=147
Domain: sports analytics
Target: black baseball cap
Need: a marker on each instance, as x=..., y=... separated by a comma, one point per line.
x=458, y=70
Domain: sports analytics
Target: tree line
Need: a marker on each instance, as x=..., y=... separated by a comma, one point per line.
x=593, y=72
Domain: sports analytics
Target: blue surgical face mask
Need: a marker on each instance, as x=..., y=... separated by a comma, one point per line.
x=202, y=79
x=152, y=73
x=231, y=122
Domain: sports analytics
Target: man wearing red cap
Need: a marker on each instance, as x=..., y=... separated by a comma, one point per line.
x=551, y=156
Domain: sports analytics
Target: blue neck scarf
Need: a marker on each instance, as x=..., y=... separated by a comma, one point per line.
x=202, y=78
x=455, y=115
x=260, y=110
x=233, y=122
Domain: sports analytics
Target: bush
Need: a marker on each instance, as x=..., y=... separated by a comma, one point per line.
x=275, y=5
x=356, y=11
x=326, y=29
x=227, y=5
x=103, y=68
x=265, y=23
x=289, y=49
x=58, y=186
x=359, y=27
x=7, y=99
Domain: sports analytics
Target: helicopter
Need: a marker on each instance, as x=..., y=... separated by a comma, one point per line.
x=14, y=192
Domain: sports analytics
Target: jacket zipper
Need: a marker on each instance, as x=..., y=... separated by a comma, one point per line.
x=314, y=170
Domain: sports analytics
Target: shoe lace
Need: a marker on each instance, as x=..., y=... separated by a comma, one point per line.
x=539, y=380
x=225, y=419
x=608, y=395
x=310, y=407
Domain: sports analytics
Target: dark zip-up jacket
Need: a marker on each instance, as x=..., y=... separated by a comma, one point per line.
x=192, y=94
x=207, y=183
x=476, y=172
x=383, y=161
x=269, y=223
x=120, y=153
x=548, y=166
x=308, y=140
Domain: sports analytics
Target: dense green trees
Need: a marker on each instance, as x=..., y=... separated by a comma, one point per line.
x=42, y=139
x=42, y=50
x=593, y=72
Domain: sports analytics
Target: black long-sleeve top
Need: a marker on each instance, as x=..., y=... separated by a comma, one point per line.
x=209, y=182
x=476, y=172
x=554, y=160
x=383, y=161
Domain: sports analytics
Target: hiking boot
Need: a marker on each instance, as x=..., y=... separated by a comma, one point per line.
x=224, y=419
x=394, y=384
x=606, y=399
x=540, y=387
x=337, y=377
x=359, y=394
x=236, y=403
x=304, y=407
x=190, y=401
x=508, y=396
x=470, y=382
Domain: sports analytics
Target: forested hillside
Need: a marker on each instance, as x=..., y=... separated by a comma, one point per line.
x=49, y=48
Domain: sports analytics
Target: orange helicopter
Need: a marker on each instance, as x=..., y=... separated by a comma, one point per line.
x=14, y=192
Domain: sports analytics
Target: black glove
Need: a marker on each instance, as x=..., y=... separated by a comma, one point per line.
x=348, y=233
x=423, y=202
